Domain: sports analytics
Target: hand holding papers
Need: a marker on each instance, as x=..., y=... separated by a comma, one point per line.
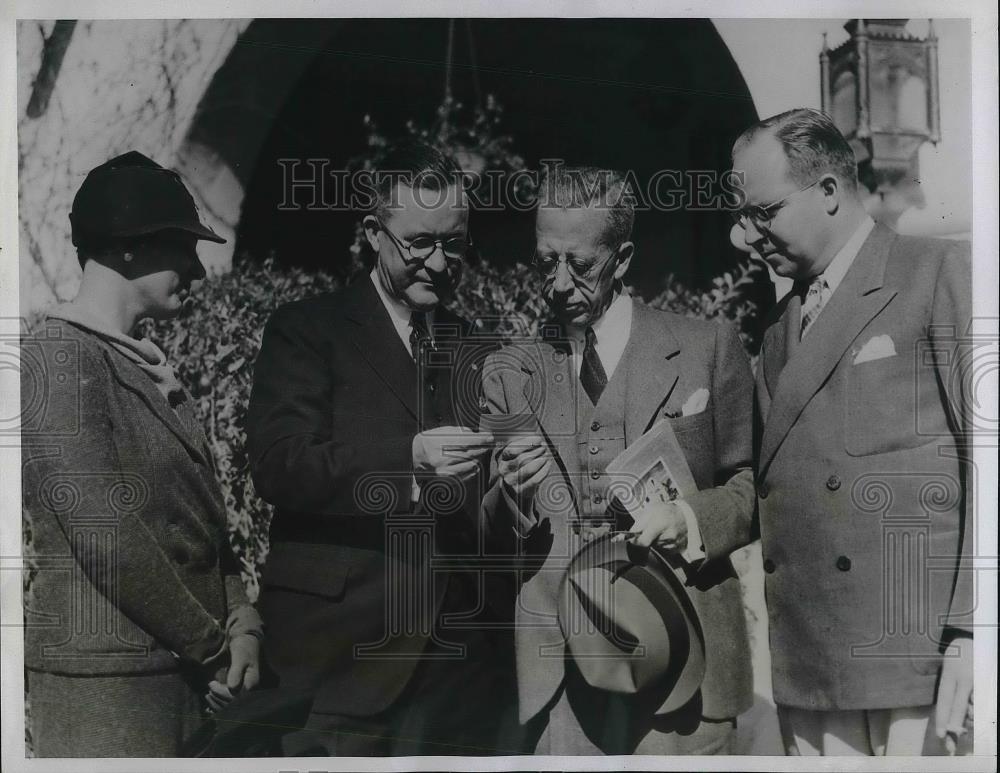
x=649, y=480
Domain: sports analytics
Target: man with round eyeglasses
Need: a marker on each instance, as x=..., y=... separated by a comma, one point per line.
x=360, y=433
x=599, y=376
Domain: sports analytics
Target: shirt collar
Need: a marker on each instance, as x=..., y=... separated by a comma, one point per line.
x=399, y=312
x=614, y=324
x=842, y=261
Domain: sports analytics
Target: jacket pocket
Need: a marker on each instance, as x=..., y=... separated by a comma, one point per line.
x=881, y=406
x=321, y=570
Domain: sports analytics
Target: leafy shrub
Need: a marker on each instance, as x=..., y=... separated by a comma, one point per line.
x=214, y=342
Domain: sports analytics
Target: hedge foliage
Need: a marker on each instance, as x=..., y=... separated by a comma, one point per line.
x=214, y=341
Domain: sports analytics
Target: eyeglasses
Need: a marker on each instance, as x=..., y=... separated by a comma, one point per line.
x=421, y=248
x=547, y=265
x=762, y=215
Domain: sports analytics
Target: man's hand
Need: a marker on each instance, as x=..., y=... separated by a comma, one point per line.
x=449, y=450
x=954, y=700
x=242, y=674
x=523, y=464
x=662, y=524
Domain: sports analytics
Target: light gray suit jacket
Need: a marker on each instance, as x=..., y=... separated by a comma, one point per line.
x=862, y=508
x=667, y=359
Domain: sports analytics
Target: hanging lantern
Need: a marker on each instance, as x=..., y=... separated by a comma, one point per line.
x=880, y=87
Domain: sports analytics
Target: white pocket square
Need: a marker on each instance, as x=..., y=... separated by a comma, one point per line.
x=695, y=403
x=877, y=348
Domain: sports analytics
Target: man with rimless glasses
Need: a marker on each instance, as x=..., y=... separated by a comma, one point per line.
x=359, y=440
x=596, y=380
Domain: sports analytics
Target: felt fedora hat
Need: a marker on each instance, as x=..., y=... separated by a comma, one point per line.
x=629, y=624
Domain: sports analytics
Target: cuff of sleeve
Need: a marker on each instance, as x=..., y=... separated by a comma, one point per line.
x=695, y=550
x=244, y=621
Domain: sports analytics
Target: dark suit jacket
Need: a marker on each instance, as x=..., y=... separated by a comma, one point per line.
x=667, y=359
x=862, y=505
x=334, y=410
x=128, y=526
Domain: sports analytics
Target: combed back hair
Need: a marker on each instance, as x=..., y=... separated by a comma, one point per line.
x=589, y=186
x=416, y=165
x=813, y=146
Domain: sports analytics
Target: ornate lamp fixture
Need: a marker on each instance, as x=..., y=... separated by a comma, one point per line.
x=880, y=87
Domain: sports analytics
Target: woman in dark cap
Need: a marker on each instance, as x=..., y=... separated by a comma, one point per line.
x=137, y=620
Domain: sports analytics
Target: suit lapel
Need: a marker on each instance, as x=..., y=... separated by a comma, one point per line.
x=132, y=378
x=782, y=341
x=650, y=358
x=377, y=341
x=855, y=303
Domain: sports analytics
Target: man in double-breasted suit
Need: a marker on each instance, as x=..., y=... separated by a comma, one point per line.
x=863, y=510
x=358, y=435
x=612, y=370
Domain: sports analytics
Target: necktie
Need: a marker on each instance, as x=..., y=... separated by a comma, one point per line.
x=418, y=333
x=592, y=375
x=812, y=305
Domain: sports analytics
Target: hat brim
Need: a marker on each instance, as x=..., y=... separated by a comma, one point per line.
x=203, y=232
x=644, y=635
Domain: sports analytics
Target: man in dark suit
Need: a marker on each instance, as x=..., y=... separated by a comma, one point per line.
x=615, y=368
x=358, y=434
x=863, y=510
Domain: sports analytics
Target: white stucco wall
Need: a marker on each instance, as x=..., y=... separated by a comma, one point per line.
x=123, y=85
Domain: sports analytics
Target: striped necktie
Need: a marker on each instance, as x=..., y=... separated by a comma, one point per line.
x=812, y=304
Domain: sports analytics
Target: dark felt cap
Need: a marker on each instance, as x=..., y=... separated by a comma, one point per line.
x=132, y=195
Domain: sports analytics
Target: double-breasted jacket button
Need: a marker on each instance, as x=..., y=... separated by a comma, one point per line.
x=598, y=499
x=769, y=566
x=763, y=490
x=595, y=426
x=593, y=450
x=595, y=474
x=843, y=563
x=833, y=482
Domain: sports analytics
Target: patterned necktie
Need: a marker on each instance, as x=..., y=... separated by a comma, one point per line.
x=592, y=375
x=812, y=305
x=418, y=333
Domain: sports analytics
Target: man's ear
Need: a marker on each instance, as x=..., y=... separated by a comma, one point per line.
x=832, y=191
x=624, y=258
x=372, y=227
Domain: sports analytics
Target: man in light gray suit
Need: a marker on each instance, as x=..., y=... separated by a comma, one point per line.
x=863, y=509
x=596, y=381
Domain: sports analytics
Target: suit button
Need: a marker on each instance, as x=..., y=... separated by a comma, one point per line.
x=768, y=566
x=593, y=450
x=844, y=563
x=763, y=490
x=833, y=482
x=598, y=499
x=595, y=475
x=595, y=426
x=432, y=387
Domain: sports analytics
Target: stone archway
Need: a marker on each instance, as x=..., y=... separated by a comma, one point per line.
x=639, y=94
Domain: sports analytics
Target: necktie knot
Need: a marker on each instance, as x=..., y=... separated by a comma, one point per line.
x=812, y=303
x=419, y=332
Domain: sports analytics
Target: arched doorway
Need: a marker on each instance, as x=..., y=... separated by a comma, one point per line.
x=638, y=94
